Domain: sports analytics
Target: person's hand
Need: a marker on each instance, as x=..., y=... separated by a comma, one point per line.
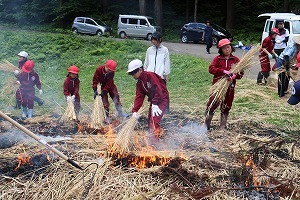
x=41, y=91
x=16, y=72
x=278, y=41
x=68, y=98
x=156, y=111
x=95, y=94
x=18, y=82
x=73, y=98
x=135, y=115
x=232, y=77
x=228, y=73
x=270, y=56
x=275, y=55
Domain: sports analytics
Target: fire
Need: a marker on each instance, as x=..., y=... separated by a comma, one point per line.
x=250, y=164
x=23, y=159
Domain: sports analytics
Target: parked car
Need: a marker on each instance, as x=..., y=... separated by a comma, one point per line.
x=90, y=26
x=195, y=32
x=136, y=26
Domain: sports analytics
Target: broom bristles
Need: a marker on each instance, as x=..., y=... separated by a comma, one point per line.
x=219, y=89
x=98, y=115
x=125, y=140
x=6, y=66
x=69, y=112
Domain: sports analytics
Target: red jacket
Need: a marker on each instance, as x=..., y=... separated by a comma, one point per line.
x=219, y=64
x=268, y=43
x=153, y=86
x=106, y=80
x=29, y=80
x=71, y=86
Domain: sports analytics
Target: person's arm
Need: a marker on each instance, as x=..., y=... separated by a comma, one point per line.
x=167, y=65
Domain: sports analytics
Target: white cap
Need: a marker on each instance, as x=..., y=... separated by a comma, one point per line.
x=23, y=54
x=135, y=64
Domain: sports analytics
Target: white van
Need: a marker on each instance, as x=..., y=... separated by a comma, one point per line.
x=291, y=23
x=136, y=26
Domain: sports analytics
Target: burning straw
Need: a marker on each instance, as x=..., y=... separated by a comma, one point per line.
x=125, y=140
x=7, y=66
x=219, y=89
x=98, y=114
x=69, y=112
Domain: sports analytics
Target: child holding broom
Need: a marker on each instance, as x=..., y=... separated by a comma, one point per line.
x=28, y=78
x=220, y=67
x=105, y=76
x=152, y=85
x=71, y=88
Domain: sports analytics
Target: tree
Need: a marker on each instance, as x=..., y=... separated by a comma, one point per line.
x=158, y=12
x=142, y=5
x=230, y=15
x=195, y=10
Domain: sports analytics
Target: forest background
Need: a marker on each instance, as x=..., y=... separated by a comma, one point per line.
x=238, y=16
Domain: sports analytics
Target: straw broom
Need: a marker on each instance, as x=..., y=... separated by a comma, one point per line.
x=69, y=112
x=7, y=66
x=125, y=142
x=98, y=115
x=219, y=89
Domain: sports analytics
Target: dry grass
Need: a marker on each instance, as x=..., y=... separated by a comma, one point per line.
x=69, y=113
x=6, y=66
x=98, y=114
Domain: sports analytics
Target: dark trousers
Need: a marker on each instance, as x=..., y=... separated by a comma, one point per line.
x=262, y=77
x=283, y=83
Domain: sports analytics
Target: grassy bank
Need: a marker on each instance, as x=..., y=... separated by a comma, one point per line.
x=188, y=84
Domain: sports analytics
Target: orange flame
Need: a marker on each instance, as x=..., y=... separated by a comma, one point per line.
x=250, y=164
x=23, y=159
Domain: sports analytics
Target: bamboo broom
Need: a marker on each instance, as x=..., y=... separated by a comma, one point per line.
x=219, y=89
x=98, y=115
x=125, y=140
x=69, y=112
x=6, y=66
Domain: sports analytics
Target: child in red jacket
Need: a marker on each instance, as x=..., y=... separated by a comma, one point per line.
x=28, y=78
x=71, y=88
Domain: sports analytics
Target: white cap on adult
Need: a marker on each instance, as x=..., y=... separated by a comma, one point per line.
x=23, y=54
x=134, y=64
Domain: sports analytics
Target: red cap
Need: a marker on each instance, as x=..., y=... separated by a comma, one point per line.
x=73, y=69
x=223, y=42
x=111, y=65
x=275, y=30
x=28, y=66
x=298, y=60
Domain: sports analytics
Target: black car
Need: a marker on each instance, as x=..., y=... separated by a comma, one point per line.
x=195, y=32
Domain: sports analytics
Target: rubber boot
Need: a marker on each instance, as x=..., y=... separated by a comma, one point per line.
x=18, y=104
x=108, y=120
x=38, y=100
x=223, y=121
x=120, y=111
x=24, y=112
x=30, y=113
x=207, y=121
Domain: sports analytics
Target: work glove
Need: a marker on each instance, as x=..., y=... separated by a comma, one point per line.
x=41, y=91
x=228, y=73
x=278, y=41
x=270, y=56
x=68, y=98
x=232, y=77
x=135, y=115
x=73, y=98
x=16, y=72
x=156, y=111
x=18, y=82
x=95, y=94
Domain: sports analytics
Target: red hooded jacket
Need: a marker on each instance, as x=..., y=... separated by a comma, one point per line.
x=151, y=85
x=219, y=64
x=105, y=79
x=71, y=86
x=29, y=80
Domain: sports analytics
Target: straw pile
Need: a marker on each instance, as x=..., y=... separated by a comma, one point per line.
x=6, y=66
x=125, y=140
x=219, y=89
x=98, y=114
x=69, y=112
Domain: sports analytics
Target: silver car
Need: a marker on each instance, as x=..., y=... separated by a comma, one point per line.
x=87, y=25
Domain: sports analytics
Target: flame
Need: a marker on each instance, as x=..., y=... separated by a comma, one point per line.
x=250, y=164
x=23, y=159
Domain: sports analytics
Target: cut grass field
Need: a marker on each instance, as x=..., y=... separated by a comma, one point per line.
x=188, y=83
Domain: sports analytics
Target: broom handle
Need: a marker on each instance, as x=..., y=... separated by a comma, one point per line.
x=43, y=142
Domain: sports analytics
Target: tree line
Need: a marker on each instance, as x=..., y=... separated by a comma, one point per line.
x=170, y=14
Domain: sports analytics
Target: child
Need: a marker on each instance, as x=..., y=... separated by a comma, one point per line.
x=71, y=88
x=152, y=85
x=220, y=67
x=105, y=76
x=28, y=78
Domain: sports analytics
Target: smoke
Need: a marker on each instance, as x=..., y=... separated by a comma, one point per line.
x=190, y=135
x=14, y=137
